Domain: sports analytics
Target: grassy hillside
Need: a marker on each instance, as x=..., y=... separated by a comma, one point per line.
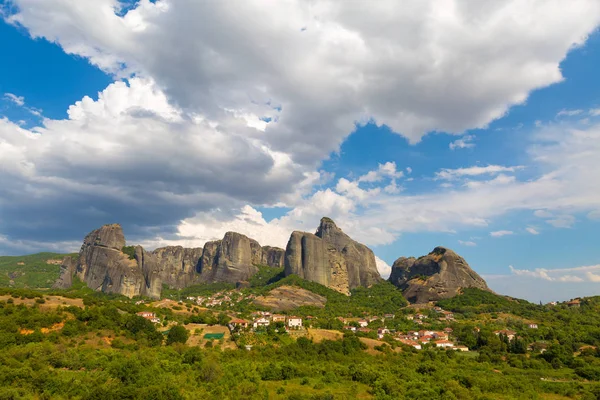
x=31, y=271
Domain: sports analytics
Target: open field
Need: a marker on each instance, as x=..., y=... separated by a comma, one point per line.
x=50, y=301
x=197, y=339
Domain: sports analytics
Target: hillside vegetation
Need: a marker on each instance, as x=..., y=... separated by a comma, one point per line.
x=31, y=271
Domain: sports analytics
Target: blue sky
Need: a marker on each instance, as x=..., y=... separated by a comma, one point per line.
x=481, y=137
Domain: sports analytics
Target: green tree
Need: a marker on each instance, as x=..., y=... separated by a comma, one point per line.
x=177, y=334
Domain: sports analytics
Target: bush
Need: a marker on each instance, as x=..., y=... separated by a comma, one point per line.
x=177, y=334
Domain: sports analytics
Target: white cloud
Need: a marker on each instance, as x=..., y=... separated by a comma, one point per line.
x=543, y=214
x=467, y=243
x=500, y=233
x=424, y=68
x=187, y=139
x=594, y=112
x=18, y=100
x=562, y=221
x=575, y=274
x=592, y=277
x=450, y=174
x=532, y=230
x=569, y=113
x=384, y=268
x=466, y=142
x=594, y=215
x=386, y=170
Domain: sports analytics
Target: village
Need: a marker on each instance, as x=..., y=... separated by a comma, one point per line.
x=374, y=327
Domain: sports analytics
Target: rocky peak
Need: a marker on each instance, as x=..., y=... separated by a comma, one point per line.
x=331, y=258
x=110, y=236
x=235, y=258
x=441, y=274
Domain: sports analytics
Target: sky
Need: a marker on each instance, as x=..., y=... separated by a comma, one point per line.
x=469, y=124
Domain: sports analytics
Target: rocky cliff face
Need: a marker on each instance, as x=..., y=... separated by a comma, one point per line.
x=331, y=258
x=178, y=265
x=234, y=258
x=104, y=267
x=439, y=275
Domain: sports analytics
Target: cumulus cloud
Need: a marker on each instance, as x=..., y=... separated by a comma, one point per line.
x=500, y=233
x=228, y=111
x=384, y=268
x=532, y=230
x=425, y=68
x=573, y=275
x=137, y=160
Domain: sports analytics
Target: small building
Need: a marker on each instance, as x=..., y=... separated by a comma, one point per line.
x=389, y=316
x=262, y=321
x=460, y=347
x=448, y=330
x=440, y=335
x=505, y=332
x=410, y=317
x=426, y=333
x=150, y=316
x=364, y=330
x=411, y=343
x=294, y=322
x=278, y=318
x=574, y=303
x=421, y=316
x=448, y=314
x=382, y=332
x=238, y=322
x=146, y=314
x=444, y=344
x=350, y=328
x=363, y=323
x=532, y=326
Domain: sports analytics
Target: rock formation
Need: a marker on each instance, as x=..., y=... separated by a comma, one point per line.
x=331, y=258
x=67, y=270
x=178, y=265
x=103, y=266
x=235, y=258
x=439, y=275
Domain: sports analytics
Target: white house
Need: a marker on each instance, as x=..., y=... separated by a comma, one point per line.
x=294, y=322
x=261, y=322
x=444, y=343
x=363, y=323
x=532, y=326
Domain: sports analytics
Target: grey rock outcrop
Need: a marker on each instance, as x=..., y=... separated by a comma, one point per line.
x=228, y=260
x=67, y=270
x=439, y=275
x=103, y=266
x=331, y=258
x=272, y=256
x=235, y=258
x=178, y=265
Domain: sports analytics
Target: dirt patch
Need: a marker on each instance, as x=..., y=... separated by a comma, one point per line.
x=289, y=297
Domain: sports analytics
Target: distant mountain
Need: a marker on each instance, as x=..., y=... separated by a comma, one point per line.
x=439, y=275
